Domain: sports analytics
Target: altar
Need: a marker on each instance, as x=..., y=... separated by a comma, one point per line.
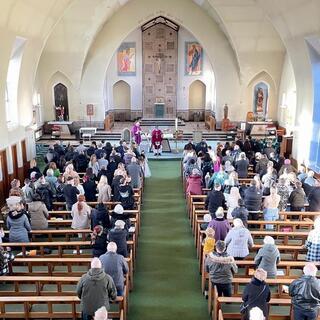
x=260, y=128
x=63, y=127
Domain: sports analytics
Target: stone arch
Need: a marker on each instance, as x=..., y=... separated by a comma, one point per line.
x=121, y=95
x=197, y=95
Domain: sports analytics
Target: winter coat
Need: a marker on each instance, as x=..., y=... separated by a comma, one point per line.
x=305, y=293
x=18, y=225
x=135, y=172
x=39, y=215
x=253, y=199
x=238, y=240
x=242, y=168
x=119, y=236
x=194, y=185
x=314, y=199
x=267, y=258
x=241, y=213
x=126, y=197
x=221, y=228
x=221, y=267
x=95, y=289
x=46, y=195
x=124, y=217
x=115, y=188
x=70, y=193
x=254, y=297
x=99, y=244
x=90, y=190
x=297, y=198
x=214, y=200
x=116, y=266
x=100, y=216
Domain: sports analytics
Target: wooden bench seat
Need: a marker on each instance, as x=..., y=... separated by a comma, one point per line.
x=28, y=304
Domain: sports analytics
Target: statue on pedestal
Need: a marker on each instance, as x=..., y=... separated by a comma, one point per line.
x=225, y=122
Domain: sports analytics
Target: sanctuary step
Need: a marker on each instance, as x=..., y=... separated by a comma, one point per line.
x=161, y=122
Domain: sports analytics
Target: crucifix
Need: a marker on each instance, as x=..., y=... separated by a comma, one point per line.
x=159, y=58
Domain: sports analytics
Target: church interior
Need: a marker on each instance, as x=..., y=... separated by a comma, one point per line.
x=158, y=81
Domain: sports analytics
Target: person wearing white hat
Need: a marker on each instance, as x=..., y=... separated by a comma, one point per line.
x=206, y=218
x=119, y=214
x=119, y=235
x=101, y=314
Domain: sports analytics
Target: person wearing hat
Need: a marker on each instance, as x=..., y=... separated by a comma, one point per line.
x=116, y=266
x=194, y=183
x=126, y=194
x=100, y=216
x=206, y=219
x=214, y=200
x=221, y=268
x=118, y=214
x=209, y=241
x=220, y=225
x=17, y=220
x=119, y=235
x=99, y=241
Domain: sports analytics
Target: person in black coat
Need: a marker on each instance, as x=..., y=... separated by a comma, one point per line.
x=314, y=199
x=99, y=240
x=90, y=189
x=45, y=193
x=118, y=214
x=70, y=193
x=115, y=187
x=100, y=216
x=241, y=212
x=242, y=166
x=81, y=162
x=253, y=199
x=119, y=235
x=214, y=200
x=256, y=294
x=126, y=194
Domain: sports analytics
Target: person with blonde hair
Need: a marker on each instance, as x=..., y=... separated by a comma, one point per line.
x=313, y=242
x=70, y=172
x=305, y=293
x=94, y=165
x=238, y=240
x=104, y=190
x=270, y=204
x=232, y=201
x=268, y=257
x=256, y=294
x=209, y=241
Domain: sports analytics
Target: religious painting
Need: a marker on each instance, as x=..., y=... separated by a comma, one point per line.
x=193, y=59
x=126, y=59
x=260, y=98
x=61, y=102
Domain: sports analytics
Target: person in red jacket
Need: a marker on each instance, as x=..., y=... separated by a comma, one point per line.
x=156, y=140
x=194, y=183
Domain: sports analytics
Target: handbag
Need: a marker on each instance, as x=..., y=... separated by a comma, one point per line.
x=244, y=307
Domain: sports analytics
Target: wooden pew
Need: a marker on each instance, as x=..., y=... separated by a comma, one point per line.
x=51, y=263
x=28, y=303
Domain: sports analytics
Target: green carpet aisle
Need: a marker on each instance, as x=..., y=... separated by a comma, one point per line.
x=166, y=279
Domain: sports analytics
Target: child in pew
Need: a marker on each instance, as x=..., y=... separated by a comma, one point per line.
x=209, y=241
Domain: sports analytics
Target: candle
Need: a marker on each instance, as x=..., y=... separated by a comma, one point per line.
x=176, y=124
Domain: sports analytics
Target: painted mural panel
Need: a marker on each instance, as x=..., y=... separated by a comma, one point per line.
x=126, y=59
x=193, y=59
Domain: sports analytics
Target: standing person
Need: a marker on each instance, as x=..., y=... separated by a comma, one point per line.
x=104, y=190
x=314, y=199
x=238, y=240
x=135, y=172
x=156, y=140
x=221, y=268
x=100, y=216
x=136, y=132
x=268, y=257
x=39, y=213
x=253, y=200
x=297, y=198
x=17, y=220
x=119, y=235
x=116, y=266
x=242, y=166
x=99, y=241
x=95, y=289
x=70, y=193
x=194, y=183
x=256, y=294
x=305, y=293
x=313, y=242
x=80, y=213
x=241, y=213
x=232, y=201
x=220, y=225
x=214, y=200
x=270, y=204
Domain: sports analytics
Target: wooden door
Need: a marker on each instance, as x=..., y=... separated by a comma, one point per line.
x=26, y=164
x=14, y=161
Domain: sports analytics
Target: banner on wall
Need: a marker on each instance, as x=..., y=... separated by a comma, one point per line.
x=90, y=110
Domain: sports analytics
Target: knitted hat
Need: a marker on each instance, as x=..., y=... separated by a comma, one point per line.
x=207, y=217
x=118, y=209
x=219, y=213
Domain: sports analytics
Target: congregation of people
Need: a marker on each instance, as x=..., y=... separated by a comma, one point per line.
x=76, y=176
x=249, y=180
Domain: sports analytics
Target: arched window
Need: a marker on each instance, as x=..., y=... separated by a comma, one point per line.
x=12, y=83
x=61, y=102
